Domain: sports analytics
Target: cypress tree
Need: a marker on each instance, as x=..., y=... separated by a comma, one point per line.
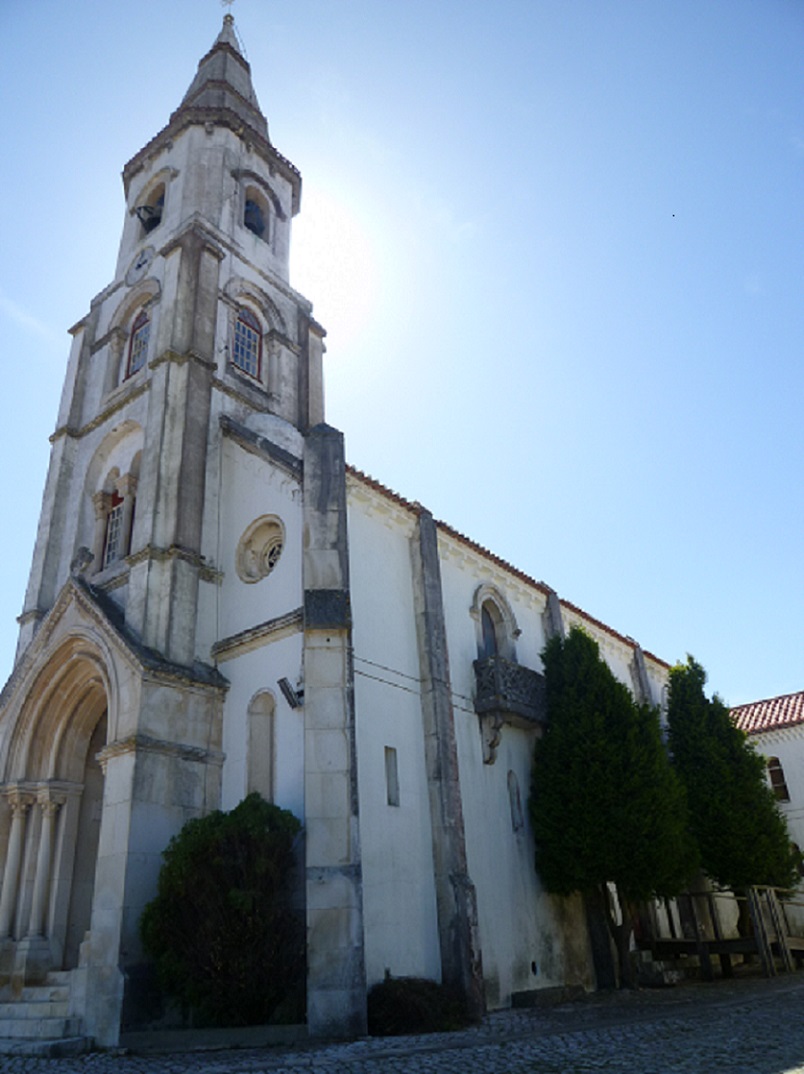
x=741, y=834
x=606, y=805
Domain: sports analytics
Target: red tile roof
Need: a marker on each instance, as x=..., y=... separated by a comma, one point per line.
x=770, y=715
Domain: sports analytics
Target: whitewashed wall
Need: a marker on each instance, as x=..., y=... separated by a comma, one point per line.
x=250, y=487
x=399, y=903
x=788, y=746
x=529, y=940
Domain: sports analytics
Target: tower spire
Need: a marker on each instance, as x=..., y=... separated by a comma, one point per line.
x=223, y=80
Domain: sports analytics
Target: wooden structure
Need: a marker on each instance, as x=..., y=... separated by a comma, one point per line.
x=771, y=937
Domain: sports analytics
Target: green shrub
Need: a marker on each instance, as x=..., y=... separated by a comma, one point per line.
x=222, y=932
x=400, y=1005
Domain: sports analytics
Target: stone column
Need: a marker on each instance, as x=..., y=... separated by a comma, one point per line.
x=552, y=618
x=19, y=805
x=461, y=962
x=39, y=902
x=639, y=675
x=102, y=502
x=336, y=973
x=127, y=490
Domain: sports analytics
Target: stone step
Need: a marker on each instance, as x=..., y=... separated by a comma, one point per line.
x=44, y=993
x=46, y=1049
x=31, y=1008
x=39, y=1028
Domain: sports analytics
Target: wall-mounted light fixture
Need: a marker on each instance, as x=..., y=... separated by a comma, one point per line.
x=293, y=697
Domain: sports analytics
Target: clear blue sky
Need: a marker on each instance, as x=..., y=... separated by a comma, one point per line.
x=557, y=245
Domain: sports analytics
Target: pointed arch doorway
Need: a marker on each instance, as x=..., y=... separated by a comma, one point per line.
x=56, y=781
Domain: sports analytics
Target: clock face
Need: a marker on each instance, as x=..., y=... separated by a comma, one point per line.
x=139, y=266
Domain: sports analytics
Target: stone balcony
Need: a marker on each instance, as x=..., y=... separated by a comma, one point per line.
x=507, y=693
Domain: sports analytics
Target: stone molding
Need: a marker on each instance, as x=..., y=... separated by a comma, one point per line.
x=251, y=176
x=255, y=637
x=239, y=288
x=180, y=359
x=196, y=232
x=140, y=743
x=110, y=411
x=257, y=444
x=116, y=334
x=163, y=555
x=185, y=117
x=253, y=395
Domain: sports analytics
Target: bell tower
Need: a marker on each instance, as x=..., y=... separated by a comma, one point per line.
x=191, y=558
x=199, y=322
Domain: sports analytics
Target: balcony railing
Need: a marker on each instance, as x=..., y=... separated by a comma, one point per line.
x=509, y=690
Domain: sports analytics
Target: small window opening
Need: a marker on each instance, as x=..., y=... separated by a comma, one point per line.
x=254, y=217
x=777, y=780
x=150, y=212
x=246, y=352
x=112, y=548
x=515, y=802
x=391, y=776
x=138, y=345
x=489, y=631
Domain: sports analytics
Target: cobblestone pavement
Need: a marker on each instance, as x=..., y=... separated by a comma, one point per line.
x=740, y=1027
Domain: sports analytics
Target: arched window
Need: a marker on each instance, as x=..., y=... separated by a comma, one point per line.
x=247, y=344
x=138, y=343
x=256, y=214
x=777, y=780
x=113, y=541
x=260, y=775
x=114, y=516
x=496, y=627
x=488, y=631
x=149, y=213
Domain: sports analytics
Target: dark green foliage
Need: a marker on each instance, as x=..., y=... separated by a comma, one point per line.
x=400, y=1005
x=741, y=834
x=221, y=930
x=605, y=803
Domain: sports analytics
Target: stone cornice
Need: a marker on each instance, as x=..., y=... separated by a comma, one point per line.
x=109, y=412
x=175, y=358
x=190, y=116
x=259, y=445
x=140, y=743
x=117, y=333
x=164, y=555
x=256, y=398
x=197, y=230
x=255, y=637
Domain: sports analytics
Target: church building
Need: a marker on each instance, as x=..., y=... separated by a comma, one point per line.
x=218, y=603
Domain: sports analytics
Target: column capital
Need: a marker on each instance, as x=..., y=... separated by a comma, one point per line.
x=50, y=800
x=102, y=501
x=127, y=485
x=19, y=799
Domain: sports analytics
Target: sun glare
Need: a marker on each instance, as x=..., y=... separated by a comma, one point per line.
x=335, y=265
